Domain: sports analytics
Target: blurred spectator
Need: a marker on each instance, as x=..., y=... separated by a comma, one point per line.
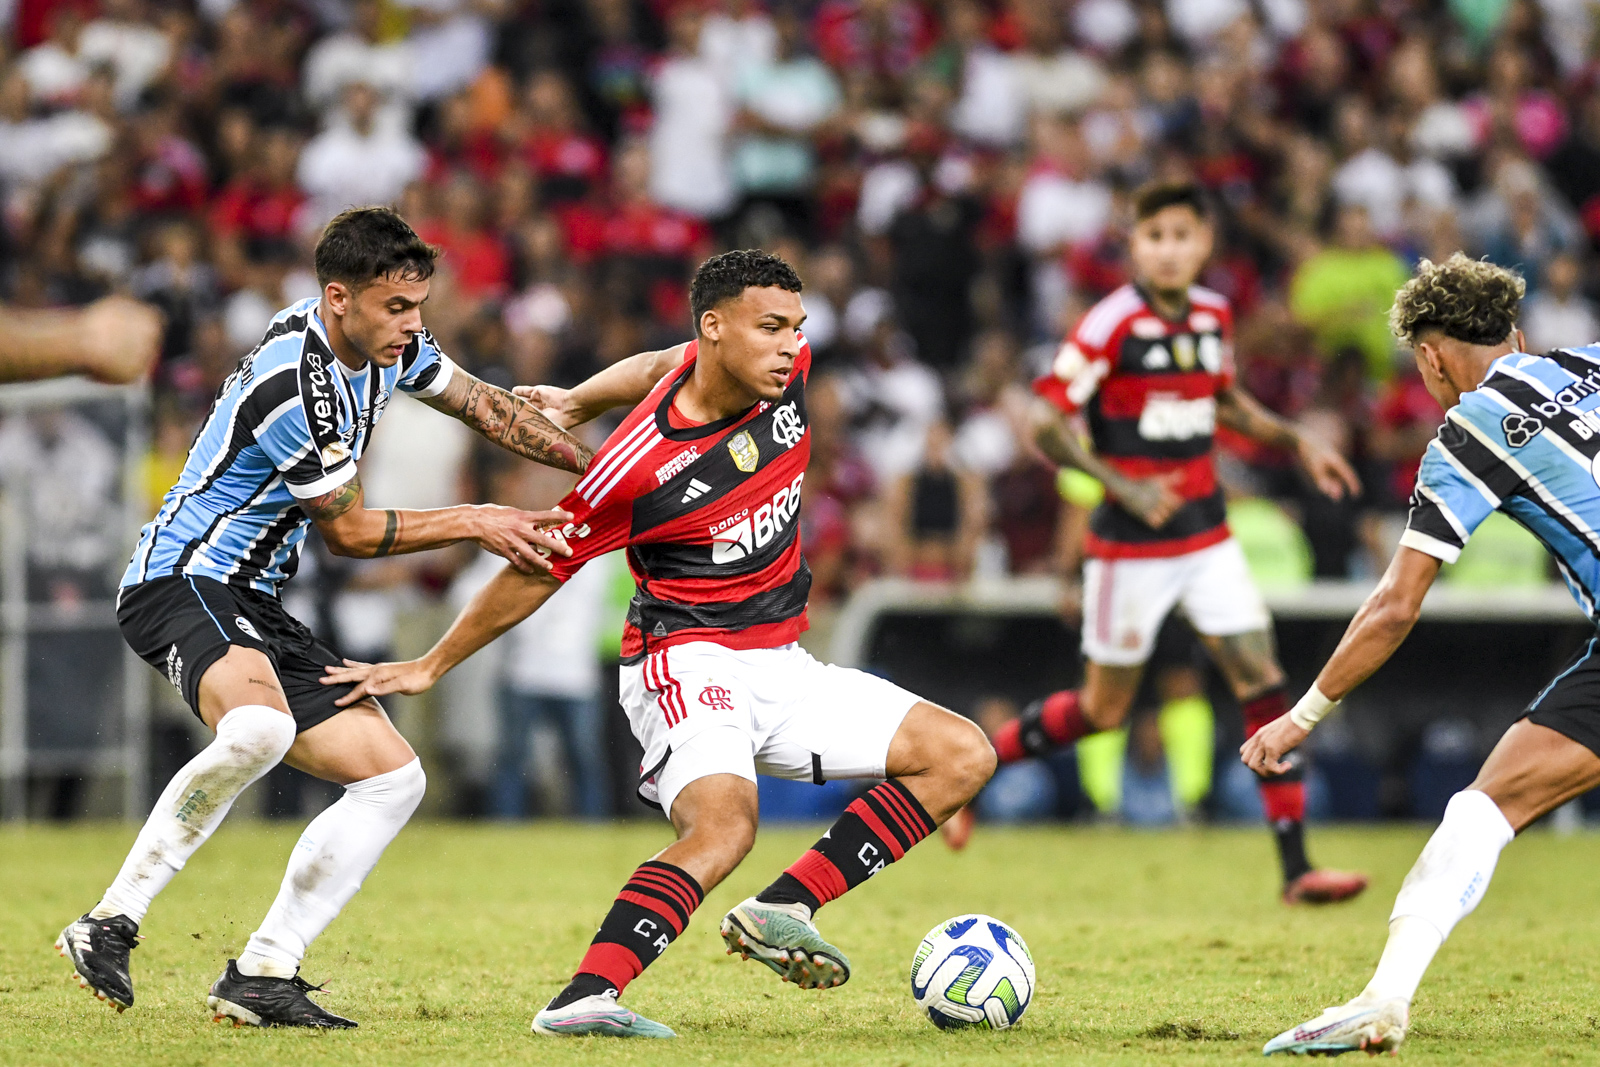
x=570, y=162
x=783, y=102
x=693, y=113
x=355, y=161
x=1558, y=315
x=935, y=513
x=359, y=53
x=891, y=397
x=1343, y=292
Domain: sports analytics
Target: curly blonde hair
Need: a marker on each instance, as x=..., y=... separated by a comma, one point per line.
x=1470, y=300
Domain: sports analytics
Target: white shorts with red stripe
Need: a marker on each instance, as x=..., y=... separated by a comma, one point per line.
x=1125, y=600
x=700, y=709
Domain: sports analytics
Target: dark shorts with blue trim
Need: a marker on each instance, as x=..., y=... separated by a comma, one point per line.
x=182, y=625
x=1570, y=705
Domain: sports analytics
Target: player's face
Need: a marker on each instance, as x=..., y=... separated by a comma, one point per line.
x=758, y=337
x=1170, y=247
x=382, y=317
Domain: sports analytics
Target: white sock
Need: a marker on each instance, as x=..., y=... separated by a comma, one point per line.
x=250, y=741
x=1448, y=880
x=329, y=863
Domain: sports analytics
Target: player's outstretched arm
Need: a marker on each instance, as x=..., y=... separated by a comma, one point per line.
x=1153, y=500
x=624, y=383
x=509, y=598
x=350, y=529
x=112, y=340
x=510, y=421
x=1242, y=413
x=1382, y=623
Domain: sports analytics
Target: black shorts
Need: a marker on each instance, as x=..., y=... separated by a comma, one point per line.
x=182, y=625
x=1570, y=705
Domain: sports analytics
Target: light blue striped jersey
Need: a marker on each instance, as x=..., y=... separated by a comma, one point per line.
x=1525, y=442
x=287, y=425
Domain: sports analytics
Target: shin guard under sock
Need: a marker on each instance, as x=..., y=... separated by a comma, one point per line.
x=649, y=914
x=875, y=830
x=1283, y=796
x=1044, y=726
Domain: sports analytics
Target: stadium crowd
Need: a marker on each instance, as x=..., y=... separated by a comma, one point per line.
x=950, y=177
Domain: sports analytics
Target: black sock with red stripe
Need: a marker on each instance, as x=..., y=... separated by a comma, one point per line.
x=650, y=912
x=875, y=830
x=1044, y=726
x=1283, y=796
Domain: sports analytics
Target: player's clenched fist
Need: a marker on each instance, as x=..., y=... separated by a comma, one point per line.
x=524, y=538
x=378, y=679
x=1263, y=752
x=120, y=339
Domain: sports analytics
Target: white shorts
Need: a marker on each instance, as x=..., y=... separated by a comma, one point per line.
x=701, y=709
x=1125, y=600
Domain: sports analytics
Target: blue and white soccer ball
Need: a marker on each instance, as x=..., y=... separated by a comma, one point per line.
x=972, y=971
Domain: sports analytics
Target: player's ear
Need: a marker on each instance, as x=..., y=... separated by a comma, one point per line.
x=338, y=296
x=711, y=325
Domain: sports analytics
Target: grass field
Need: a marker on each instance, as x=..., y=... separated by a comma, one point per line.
x=1152, y=948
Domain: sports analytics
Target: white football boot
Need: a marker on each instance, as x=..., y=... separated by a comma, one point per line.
x=1360, y=1026
x=599, y=1014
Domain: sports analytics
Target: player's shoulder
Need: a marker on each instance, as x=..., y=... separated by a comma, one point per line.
x=1102, y=322
x=622, y=466
x=284, y=342
x=1209, y=299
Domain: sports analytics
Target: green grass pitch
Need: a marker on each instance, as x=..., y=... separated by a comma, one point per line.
x=1166, y=948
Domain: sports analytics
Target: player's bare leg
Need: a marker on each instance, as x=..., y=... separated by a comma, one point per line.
x=361, y=750
x=936, y=764
x=1058, y=720
x=242, y=701
x=1249, y=663
x=1532, y=771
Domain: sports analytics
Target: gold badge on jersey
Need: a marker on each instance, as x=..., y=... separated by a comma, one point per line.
x=1183, y=351
x=742, y=447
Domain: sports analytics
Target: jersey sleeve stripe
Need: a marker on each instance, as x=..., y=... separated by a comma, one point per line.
x=649, y=442
x=435, y=379
x=611, y=458
x=329, y=481
x=1444, y=510
x=1466, y=475
x=1430, y=546
x=1102, y=321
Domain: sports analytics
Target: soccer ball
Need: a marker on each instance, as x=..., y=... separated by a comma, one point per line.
x=972, y=971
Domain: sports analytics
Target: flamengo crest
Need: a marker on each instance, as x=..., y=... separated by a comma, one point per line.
x=787, y=429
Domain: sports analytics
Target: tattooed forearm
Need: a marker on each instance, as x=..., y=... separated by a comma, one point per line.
x=334, y=502
x=512, y=423
x=391, y=530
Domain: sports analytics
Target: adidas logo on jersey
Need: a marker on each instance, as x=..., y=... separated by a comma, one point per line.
x=741, y=534
x=696, y=490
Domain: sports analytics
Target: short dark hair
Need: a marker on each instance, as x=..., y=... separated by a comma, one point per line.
x=1471, y=300
x=725, y=276
x=1155, y=196
x=363, y=244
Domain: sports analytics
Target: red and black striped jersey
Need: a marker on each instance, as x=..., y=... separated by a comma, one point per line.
x=709, y=515
x=1147, y=387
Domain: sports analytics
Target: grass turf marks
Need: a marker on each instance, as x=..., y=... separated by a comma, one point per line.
x=1151, y=948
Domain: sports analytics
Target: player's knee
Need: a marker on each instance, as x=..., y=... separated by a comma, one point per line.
x=256, y=736
x=726, y=837
x=969, y=758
